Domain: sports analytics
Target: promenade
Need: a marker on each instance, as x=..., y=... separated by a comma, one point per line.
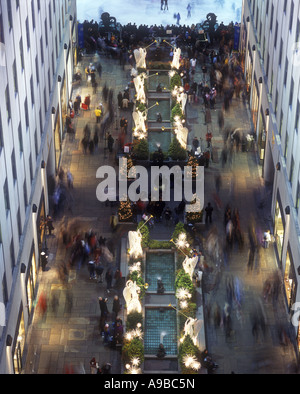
x=69, y=337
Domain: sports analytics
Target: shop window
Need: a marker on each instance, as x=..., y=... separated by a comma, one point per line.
x=279, y=229
x=290, y=281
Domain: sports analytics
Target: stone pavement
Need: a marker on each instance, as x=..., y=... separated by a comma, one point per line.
x=70, y=336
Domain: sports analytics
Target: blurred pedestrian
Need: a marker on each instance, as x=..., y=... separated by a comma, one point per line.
x=208, y=213
x=70, y=179
x=108, y=279
x=116, y=307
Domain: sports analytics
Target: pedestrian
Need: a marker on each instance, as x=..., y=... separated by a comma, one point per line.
x=195, y=144
x=166, y=5
x=189, y=8
x=118, y=279
x=122, y=124
x=161, y=5
x=70, y=106
x=110, y=143
x=70, y=179
x=178, y=18
x=96, y=137
x=106, y=338
x=168, y=215
x=87, y=101
x=108, y=279
x=266, y=239
x=91, y=147
x=113, y=222
x=76, y=107
x=49, y=224
x=125, y=103
x=251, y=259
x=116, y=307
x=99, y=271
x=120, y=99
x=103, y=307
x=93, y=366
x=208, y=210
x=91, y=267
x=98, y=114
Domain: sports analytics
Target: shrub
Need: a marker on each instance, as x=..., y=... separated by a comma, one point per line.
x=141, y=150
x=134, y=348
x=176, y=151
x=184, y=280
x=176, y=111
x=175, y=81
x=145, y=234
x=133, y=319
x=187, y=347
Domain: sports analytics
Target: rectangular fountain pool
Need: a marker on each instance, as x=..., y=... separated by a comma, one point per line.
x=162, y=78
x=164, y=107
x=158, y=139
x=160, y=265
x=160, y=326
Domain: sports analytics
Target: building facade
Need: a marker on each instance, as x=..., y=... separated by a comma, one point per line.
x=37, y=50
x=270, y=42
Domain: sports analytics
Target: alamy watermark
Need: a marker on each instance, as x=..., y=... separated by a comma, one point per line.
x=187, y=183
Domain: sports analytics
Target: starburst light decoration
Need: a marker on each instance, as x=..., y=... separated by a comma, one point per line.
x=183, y=294
x=181, y=241
x=191, y=362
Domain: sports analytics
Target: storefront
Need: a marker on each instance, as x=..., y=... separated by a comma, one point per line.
x=279, y=228
x=57, y=139
x=261, y=137
x=19, y=343
x=254, y=106
x=290, y=279
x=30, y=281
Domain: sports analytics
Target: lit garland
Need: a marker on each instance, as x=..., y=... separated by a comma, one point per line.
x=125, y=211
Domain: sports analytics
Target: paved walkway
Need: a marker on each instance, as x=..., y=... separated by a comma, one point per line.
x=70, y=336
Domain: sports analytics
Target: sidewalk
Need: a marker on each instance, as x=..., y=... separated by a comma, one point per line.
x=69, y=338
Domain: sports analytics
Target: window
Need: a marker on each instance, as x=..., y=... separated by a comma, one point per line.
x=20, y=138
x=13, y=165
x=297, y=116
x=291, y=16
x=6, y=196
x=15, y=77
x=1, y=134
x=280, y=52
x=21, y=53
x=286, y=145
x=9, y=14
x=291, y=92
x=7, y=100
x=292, y=170
x=298, y=197
x=27, y=33
x=276, y=34
x=286, y=70
x=1, y=30
x=32, y=90
x=26, y=112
